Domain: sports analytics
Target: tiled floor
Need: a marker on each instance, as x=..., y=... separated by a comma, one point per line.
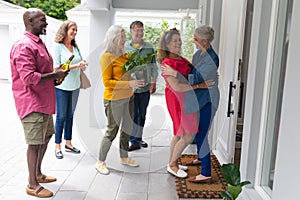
x=76, y=174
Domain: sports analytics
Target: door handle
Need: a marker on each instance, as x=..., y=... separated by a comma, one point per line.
x=229, y=111
x=241, y=99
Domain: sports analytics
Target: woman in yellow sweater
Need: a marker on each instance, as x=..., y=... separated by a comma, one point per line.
x=118, y=101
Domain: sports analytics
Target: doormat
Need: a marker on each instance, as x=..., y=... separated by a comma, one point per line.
x=186, y=189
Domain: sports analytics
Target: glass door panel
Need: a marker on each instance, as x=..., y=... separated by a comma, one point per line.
x=275, y=94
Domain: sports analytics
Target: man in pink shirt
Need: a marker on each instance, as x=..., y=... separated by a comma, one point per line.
x=33, y=89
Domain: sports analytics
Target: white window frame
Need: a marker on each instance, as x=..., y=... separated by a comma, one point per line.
x=255, y=153
x=267, y=87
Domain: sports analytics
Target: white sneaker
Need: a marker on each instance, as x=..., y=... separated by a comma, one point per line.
x=182, y=167
x=129, y=162
x=180, y=173
x=101, y=168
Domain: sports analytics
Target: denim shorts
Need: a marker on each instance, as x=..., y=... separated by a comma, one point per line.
x=36, y=127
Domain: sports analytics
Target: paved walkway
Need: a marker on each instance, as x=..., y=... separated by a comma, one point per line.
x=76, y=174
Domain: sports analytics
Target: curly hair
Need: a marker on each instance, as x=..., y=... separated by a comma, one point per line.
x=112, y=40
x=62, y=32
x=163, y=51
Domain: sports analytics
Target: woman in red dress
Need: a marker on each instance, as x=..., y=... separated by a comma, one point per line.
x=185, y=126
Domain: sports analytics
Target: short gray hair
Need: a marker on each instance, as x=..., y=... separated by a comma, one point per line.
x=205, y=32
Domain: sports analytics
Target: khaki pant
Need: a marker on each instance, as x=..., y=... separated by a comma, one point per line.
x=119, y=114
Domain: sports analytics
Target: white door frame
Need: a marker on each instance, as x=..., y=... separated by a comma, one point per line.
x=261, y=55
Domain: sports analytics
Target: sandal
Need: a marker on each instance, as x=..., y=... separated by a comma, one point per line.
x=45, y=179
x=193, y=162
x=39, y=191
x=202, y=180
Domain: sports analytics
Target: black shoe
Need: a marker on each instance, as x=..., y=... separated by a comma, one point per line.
x=133, y=147
x=144, y=144
x=59, y=154
x=73, y=150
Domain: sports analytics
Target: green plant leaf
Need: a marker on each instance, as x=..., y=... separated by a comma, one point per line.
x=136, y=62
x=244, y=183
x=149, y=57
x=234, y=190
x=231, y=174
x=227, y=195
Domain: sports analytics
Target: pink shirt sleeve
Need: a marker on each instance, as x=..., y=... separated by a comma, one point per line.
x=25, y=66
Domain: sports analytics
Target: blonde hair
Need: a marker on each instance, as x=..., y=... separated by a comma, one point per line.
x=205, y=32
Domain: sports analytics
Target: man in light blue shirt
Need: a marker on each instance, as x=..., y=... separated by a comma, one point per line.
x=141, y=95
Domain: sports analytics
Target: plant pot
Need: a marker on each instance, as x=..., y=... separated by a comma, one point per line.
x=142, y=75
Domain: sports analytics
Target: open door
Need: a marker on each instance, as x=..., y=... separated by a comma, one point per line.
x=234, y=39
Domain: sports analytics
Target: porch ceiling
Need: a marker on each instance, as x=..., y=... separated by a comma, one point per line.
x=142, y=4
x=155, y=4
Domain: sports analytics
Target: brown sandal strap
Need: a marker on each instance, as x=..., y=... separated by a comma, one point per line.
x=44, y=177
x=39, y=190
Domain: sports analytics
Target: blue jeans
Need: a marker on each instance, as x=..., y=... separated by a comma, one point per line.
x=207, y=114
x=65, y=106
x=141, y=101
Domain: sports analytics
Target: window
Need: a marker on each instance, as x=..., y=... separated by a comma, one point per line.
x=275, y=94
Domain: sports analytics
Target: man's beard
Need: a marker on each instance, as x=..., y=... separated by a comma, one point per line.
x=44, y=32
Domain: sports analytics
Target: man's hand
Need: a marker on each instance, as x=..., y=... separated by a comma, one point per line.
x=57, y=75
x=60, y=75
x=152, y=88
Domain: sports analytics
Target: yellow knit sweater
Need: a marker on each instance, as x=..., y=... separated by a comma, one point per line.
x=115, y=81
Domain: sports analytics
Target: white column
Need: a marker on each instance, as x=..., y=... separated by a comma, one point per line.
x=100, y=21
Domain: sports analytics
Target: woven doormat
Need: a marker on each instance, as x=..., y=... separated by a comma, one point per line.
x=186, y=189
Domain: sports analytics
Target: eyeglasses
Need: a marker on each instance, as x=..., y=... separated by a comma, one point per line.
x=138, y=30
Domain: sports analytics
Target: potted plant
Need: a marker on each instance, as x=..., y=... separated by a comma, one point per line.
x=233, y=178
x=137, y=65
